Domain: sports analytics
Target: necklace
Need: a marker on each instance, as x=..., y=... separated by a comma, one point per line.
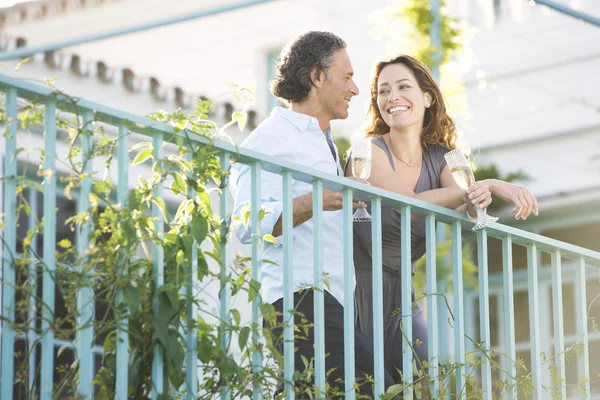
x=414, y=164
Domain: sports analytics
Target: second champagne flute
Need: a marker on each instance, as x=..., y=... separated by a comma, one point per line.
x=360, y=160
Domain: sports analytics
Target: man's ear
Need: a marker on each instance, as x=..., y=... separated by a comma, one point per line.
x=317, y=78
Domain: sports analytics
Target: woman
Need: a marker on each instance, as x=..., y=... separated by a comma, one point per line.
x=411, y=132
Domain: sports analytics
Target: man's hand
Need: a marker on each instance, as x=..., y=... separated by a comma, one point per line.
x=333, y=201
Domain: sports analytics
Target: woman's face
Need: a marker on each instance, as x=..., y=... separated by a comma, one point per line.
x=400, y=100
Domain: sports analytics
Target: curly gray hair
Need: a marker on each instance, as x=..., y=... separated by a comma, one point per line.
x=310, y=51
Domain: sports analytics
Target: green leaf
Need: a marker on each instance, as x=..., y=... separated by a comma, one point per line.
x=142, y=156
x=65, y=243
x=253, y=290
x=243, y=337
x=236, y=315
x=182, y=186
x=241, y=118
x=162, y=207
x=140, y=145
x=199, y=227
x=270, y=238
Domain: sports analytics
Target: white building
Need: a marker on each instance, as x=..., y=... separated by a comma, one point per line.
x=534, y=94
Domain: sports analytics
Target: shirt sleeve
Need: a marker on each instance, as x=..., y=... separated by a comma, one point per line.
x=271, y=189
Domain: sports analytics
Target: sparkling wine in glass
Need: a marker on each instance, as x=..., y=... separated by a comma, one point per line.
x=464, y=178
x=360, y=159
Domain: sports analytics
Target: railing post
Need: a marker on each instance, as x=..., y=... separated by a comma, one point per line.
x=85, y=296
x=288, y=287
x=225, y=290
x=406, y=301
x=9, y=246
x=349, y=368
x=559, y=339
x=319, y=298
x=459, y=312
x=432, y=326
x=534, y=319
x=378, y=326
x=158, y=381
x=123, y=326
x=256, y=275
x=509, y=316
x=581, y=314
x=47, y=370
x=484, y=313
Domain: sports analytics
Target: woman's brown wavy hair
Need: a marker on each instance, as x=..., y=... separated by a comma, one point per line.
x=438, y=126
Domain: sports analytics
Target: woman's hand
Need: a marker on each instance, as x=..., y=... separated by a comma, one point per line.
x=525, y=203
x=480, y=193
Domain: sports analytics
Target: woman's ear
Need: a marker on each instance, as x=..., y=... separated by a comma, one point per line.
x=428, y=100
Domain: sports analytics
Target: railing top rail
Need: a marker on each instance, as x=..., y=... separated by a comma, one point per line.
x=143, y=125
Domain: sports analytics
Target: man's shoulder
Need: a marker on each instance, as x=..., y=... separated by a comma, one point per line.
x=273, y=128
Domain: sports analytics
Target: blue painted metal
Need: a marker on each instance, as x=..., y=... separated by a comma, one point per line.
x=377, y=266
x=31, y=334
x=288, y=286
x=406, y=290
x=349, y=282
x=443, y=316
x=85, y=297
x=435, y=37
x=191, y=334
x=484, y=314
x=581, y=306
x=158, y=262
x=459, y=311
x=319, y=298
x=9, y=245
x=559, y=339
x=534, y=320
x=47, y=369
x=590, y=19
x=225, y=292
x=256, y=269
x=432, y=325
x=123, y=332
x=509, y=317
x=28, y=51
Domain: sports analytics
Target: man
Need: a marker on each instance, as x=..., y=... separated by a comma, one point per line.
x=314, y=75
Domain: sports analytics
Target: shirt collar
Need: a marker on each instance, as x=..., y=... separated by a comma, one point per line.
x=300, y=121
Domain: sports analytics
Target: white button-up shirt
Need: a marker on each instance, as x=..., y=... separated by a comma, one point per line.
x=298, y=138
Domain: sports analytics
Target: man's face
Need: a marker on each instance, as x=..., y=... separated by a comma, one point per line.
x=338, y=87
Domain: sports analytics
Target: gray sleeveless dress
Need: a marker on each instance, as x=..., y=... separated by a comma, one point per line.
x=433, y=164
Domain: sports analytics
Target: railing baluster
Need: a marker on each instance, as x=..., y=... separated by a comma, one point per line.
x=534, y=320
x=582, y=327
x=443, y=316
x=484, y=313
x=406, y=290
x=509, y=316
x=85, y=296
x=256, y=263
x=123, y=330
x=559, y=339
x=459, y=312
x=158, y=382
x=225, y=291
x=432, y=326
x=191, y=332
x=9, y=246
x=32, y=334
x=47, y=369
x=349, y=373
x=288, y=287
x=319, y=298
x=378, y=355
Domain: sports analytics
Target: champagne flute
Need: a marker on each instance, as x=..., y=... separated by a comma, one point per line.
x=463, y=176
x=360, y=159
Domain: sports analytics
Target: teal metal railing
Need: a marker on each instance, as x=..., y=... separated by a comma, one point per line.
x=125, y=123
